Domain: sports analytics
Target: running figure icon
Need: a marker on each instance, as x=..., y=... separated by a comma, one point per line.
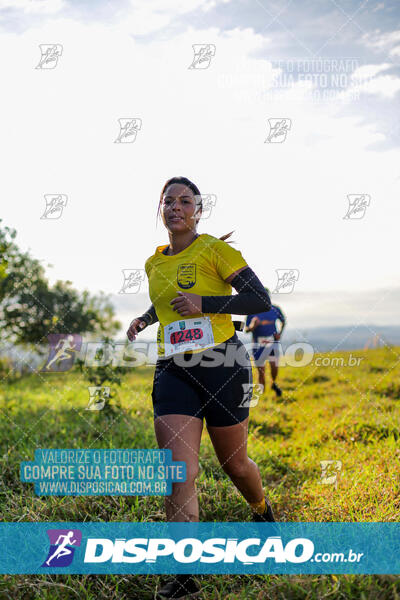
x=63, y=350
x=62, y=550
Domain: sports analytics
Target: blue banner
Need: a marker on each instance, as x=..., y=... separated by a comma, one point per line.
x=231, y=548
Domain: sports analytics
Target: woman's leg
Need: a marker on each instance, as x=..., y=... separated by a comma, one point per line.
x=181, y=434
x=230, y=444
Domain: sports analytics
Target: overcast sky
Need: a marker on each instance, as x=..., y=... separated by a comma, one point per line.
x=329, y=71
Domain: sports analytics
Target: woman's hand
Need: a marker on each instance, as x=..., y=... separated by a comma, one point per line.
x=134, y=328
x=187, y=304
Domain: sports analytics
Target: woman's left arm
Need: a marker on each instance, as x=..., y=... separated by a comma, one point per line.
x=252, y=297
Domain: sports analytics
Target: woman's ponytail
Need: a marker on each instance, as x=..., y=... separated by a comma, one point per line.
x=223, y=237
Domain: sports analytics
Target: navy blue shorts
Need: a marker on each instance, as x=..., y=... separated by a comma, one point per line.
x=220, y=394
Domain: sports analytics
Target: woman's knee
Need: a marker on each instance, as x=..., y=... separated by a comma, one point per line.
x=192, y=472
x=237, y=468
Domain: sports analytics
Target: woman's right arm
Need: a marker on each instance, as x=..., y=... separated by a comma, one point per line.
x=140, y=323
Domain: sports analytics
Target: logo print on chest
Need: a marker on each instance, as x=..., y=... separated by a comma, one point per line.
x=186, y=275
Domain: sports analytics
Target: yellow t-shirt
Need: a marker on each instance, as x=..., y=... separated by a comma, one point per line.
x=199, y=269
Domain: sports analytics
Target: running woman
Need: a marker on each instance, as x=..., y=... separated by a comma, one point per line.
x=190, y=286
x=265, y=334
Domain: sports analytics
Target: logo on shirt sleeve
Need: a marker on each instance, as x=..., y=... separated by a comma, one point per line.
x=186, y=275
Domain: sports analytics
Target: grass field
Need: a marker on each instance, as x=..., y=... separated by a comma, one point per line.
x=348, y=414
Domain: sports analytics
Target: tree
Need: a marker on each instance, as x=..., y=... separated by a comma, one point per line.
x=30, y=309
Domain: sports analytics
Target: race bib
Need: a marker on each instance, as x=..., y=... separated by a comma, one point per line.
x=188, y=334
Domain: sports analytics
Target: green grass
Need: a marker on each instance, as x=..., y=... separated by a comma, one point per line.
x=351, y=414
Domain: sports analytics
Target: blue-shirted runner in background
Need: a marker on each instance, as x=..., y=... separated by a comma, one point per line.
x=264, y=331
